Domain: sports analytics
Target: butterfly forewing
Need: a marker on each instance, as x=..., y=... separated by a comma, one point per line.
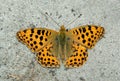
x=46, y=56
x=36, y=38
x=87, y=35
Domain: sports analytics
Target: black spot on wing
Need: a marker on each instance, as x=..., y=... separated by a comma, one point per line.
x=84, y=30
x=89, y=27
x=83, y=36
x=41, y=38
x=47, y=33
x=38, y=32
x=24, y=31
x=76, y=32
x=84, y=41
x=31, y=35
x=87, y=33
x=43, y=31
x=80, y=30
x=41, y=43
x=32, y=30
x=36, y=36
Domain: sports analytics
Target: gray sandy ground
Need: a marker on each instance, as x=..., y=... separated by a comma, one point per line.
x=18, y=63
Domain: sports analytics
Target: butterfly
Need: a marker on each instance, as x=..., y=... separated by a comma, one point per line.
x=66, y=46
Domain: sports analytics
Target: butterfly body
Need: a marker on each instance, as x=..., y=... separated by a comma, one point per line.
x=68, y=46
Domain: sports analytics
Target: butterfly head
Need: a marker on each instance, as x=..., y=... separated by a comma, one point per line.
x=62, y=28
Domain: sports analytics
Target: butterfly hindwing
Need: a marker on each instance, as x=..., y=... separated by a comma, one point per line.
x=78, y=57
x=46, y=56
x=87, y=35
x=36, y=38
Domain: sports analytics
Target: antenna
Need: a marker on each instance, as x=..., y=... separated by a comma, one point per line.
x=74, y=20
x=52, y=19
x=56, y=22
x=46, y=14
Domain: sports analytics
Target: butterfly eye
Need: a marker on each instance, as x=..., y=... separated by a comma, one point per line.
x=67, y=30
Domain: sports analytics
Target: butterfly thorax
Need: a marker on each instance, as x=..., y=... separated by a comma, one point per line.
x=62, y=36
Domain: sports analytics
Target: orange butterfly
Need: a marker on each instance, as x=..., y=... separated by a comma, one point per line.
x=68, y=46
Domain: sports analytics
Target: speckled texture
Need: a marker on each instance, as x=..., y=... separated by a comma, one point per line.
x=18, y=63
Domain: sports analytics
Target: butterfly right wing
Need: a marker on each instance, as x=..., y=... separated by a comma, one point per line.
x=80, y=39
x=78, y=56
x=87, y=35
